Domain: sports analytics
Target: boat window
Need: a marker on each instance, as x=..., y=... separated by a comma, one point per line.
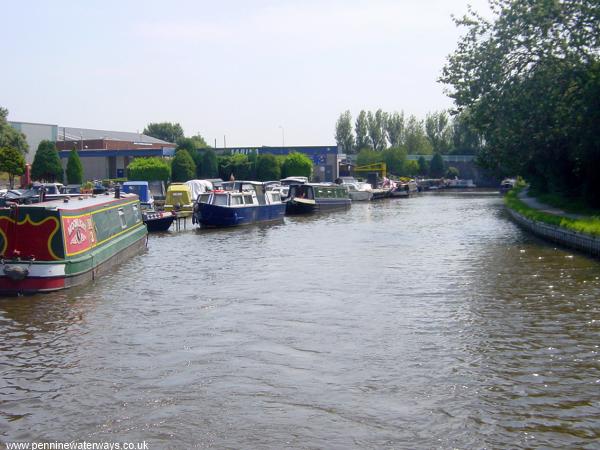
x=236, y=200
x=248, y=199
x=203, y=198
x=220, y=200
x=136, y=213
x=133, y=189
x=275, y=197
x=122, y=218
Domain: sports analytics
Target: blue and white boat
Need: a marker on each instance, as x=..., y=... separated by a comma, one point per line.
x=238, y=203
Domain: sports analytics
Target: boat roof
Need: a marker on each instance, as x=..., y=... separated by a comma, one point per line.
x=178, y=187
x=136, y=183
x=254, y=183
x=80, y=202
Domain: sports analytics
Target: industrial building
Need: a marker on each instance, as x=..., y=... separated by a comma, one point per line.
x=104, y=154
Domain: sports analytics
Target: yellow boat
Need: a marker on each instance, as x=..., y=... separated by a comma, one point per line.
x=179, y=198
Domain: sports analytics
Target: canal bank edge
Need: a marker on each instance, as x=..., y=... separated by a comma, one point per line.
x=583, y=242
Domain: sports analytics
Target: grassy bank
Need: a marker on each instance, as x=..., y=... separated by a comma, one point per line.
x=589, y=224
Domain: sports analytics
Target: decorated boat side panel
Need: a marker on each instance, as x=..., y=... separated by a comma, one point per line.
x=30, y=233
x=79, y=234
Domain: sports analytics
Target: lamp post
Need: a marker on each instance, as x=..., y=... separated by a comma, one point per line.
x=282, y=136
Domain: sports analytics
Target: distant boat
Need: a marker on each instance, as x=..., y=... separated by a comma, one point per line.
x=179, y=198
x=239, y=203
x=507, y=184
x=405, y=188
x=461, y=184
x=312, y=197
x=154, y=220
x=359, y=192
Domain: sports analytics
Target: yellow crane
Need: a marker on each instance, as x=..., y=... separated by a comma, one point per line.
x=379, y=168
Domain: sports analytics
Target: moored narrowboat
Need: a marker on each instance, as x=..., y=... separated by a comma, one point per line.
x=405, y=188
x=241, y=203
x=154, y=220
x=62, y=243
x=315, y=197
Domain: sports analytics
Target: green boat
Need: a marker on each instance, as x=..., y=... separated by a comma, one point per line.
x=62, y=243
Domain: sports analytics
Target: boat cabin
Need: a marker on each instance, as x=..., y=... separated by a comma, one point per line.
x=314, y=191
x=293, y=180
x=240, y=193
x=179, y=198
x=142, y=190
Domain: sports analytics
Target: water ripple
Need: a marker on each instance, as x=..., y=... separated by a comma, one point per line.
x=428, y=322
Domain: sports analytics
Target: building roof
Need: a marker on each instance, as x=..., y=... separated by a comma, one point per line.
x=77, y=134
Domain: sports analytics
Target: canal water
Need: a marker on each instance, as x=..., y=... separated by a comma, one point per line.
x=430, y=322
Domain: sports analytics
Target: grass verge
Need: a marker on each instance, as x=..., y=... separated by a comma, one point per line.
x=589, y=225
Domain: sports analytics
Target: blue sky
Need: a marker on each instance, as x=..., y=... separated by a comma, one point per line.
x=244, y=69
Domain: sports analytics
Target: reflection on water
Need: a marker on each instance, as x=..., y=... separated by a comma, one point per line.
x=424, y=322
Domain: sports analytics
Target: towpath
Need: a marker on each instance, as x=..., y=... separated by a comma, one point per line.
x=543, y=207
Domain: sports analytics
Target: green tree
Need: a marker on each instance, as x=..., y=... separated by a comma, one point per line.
x=186, y=143
x=190, y=145
x=368, y=156
x=74, y=168
x=199, y=141
x=437, y=167
x=46, y=164
x=252, y=160
x=237, y=166
x=394, y=129
x=525, y=77
x=439, y=132
x=267, y=167
x=297, y=164
x=149, y=169
x=343, y=133
x=12, y=162
x=376, y=129
x=9, y=137
x=411, y=168
x=414, y=138
x=423, y=166
x=182, y=167
x=452, y=172
x=166, y=131
x=361, y=129
x=394, y=158
x=209, y=166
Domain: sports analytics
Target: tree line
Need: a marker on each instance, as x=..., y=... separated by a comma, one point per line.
x=528, y=81
x=437, y=133
x=390, y=137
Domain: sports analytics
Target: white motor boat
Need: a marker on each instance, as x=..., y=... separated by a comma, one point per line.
x=359, y=192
